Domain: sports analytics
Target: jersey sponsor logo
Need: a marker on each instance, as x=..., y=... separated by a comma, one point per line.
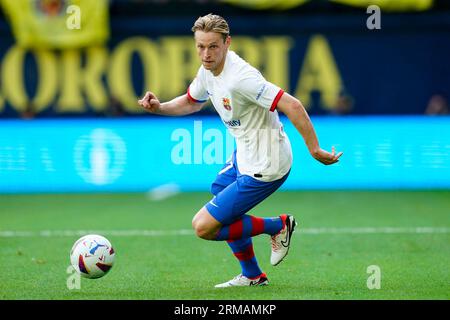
x=226, y=103
x=260, y=92
x=233, y=123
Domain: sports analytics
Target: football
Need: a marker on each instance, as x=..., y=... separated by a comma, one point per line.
x=92, y=256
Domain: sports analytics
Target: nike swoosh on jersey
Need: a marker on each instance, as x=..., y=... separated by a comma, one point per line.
x=215, y=205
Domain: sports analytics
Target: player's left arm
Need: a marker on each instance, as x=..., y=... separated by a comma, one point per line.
x=297, y=114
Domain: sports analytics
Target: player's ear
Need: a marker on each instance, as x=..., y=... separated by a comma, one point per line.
x=228, y=41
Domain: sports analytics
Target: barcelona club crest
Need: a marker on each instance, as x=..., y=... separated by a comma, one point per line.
x=226, y=103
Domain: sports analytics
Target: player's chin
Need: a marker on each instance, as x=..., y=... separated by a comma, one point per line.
x=208, y=65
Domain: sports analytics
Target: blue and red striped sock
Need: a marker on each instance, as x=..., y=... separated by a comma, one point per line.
x=250, y=226
x=243, y=251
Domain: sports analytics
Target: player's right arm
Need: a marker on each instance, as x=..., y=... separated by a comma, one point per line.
x=297, y=114
x=178, y=106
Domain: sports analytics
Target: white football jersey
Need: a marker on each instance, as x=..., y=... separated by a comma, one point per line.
x=246, y=103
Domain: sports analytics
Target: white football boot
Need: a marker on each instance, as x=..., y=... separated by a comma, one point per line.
x=242, y=281
x=281, y=241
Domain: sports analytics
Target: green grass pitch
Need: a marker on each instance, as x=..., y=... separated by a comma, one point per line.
x=320, y=265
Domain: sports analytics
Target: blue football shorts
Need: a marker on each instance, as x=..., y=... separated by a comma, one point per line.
x=235, y=194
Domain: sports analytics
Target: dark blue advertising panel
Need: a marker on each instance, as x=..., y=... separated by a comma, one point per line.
x=333, y=63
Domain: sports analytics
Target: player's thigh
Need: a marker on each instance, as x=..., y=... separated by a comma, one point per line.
x=240, y=197
x=226, y=176
x=203, y=219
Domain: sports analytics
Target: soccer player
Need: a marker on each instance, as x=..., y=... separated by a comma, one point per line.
x=247, y=105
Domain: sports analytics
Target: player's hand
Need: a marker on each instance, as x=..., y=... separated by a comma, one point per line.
x=150, y=102
x=326, y=157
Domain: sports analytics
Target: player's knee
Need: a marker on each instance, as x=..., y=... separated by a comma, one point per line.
x=202, y=230
x=204, y=234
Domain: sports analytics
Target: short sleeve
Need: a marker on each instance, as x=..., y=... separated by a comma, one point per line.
x=196, y=91
x=255, y=88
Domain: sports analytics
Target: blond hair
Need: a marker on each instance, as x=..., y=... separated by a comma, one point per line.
x=212, y=23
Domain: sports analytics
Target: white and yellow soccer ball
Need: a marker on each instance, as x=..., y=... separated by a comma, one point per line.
x=92, y=256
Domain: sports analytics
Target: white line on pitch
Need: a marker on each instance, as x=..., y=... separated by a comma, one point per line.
x=184, y=232
x=163, y=192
